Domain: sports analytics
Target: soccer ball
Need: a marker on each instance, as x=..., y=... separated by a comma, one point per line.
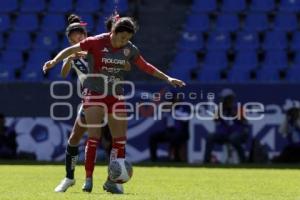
x=120, y=171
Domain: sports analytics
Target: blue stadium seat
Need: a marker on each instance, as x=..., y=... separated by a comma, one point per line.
x=246, y=59
x=247, y=40
x=197, y=23
x=182, y=65
x=5, y=23
x=203, y=6
x=110, y=6
x=219, y=40
x=285, y=22
x=7, y=73
x=61, y=6
x=293, y=73
x=275, y=59
x=33, y=6
x=268, y=74
x=64, y=43
x=89, y=19
x=54, y=73
x=83, y=6
x=100, y=25
x=12, y=58
x=215, y=59
x=238, y=75
x=8, y=6
x=209, y=75
x=189, y=41
x=37, y=58
x=275, y=40
x=32, y=74
x=233, y=5
x=182, y=73
x=256, y=22
x=295, y=43
x=46, y=41
x=186, y=59
x=262, y=6
x=26, y=22
x=289, y=5
x=227, y=23
x=54, y=22
x=19, y=41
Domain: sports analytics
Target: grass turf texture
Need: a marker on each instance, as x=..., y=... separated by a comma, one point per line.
x=35, y=182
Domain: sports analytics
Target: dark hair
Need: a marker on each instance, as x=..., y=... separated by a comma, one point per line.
x=2, y=116
x=74, y=19
x=121, y=24
x=125, y=24
x=75, y=25
x=109, y=23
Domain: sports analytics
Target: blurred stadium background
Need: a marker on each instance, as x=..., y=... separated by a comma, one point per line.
x=250, y=46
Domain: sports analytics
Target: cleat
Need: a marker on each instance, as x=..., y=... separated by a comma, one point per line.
x=64, y=185
x=113, y=188
x=88, y=185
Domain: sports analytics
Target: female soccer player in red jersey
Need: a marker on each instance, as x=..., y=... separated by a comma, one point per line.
x=75, y=33
x=110, y=52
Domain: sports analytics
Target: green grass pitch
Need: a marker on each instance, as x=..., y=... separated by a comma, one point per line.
x=37, y=182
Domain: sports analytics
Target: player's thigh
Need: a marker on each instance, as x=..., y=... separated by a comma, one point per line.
x=118, y=127
x=78, y=130
x=94, y=115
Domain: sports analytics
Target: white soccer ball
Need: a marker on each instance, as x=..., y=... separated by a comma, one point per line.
x=120, y=171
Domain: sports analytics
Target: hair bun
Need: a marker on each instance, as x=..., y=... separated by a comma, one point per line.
x=73, y=19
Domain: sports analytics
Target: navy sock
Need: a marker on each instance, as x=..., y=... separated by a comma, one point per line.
x=71, y=159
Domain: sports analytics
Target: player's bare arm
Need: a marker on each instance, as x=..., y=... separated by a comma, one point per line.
x=60, y=56
x=65, y=70
x=152, y=70
x=173, y=81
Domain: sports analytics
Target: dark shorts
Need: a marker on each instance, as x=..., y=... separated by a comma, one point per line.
x=92, y=98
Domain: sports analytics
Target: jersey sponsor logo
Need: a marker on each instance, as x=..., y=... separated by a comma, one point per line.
x=111, y=69
x=126, y=52
x=105, y=50
x=113, y=61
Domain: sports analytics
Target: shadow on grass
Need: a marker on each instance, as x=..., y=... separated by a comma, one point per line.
x=168, y=164
x=97, y=193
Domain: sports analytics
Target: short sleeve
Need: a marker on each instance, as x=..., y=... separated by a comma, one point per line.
x=88, y=43
x=134, y=53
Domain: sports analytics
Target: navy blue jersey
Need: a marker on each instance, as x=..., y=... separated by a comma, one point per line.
x=80, y=66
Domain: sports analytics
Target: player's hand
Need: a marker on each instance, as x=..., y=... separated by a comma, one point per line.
x=78, y=55
x=81, y=54
x=48, y=65
x=176, y=82
x=127, y=66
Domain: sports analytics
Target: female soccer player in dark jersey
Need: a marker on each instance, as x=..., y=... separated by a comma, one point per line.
x=110, y=52
x=75, y=33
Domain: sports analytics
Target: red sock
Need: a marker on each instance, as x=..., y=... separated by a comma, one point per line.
x=118, y=148
x=90, y=156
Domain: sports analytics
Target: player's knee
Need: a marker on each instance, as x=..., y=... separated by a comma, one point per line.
x=74, y=140
x=94, y=135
